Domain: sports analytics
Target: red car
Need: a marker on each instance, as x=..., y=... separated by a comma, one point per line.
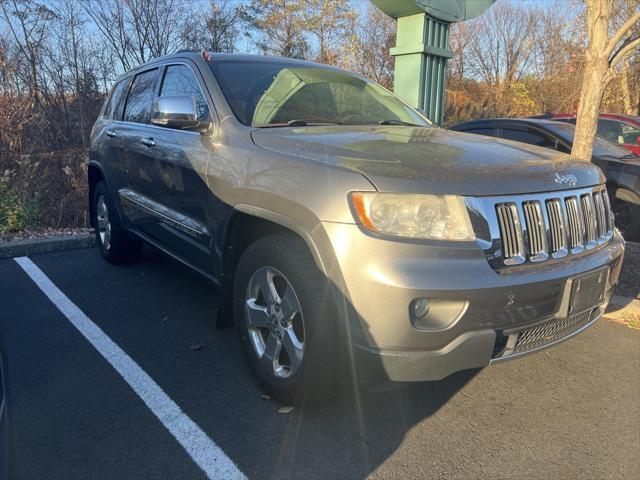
x=617, y=128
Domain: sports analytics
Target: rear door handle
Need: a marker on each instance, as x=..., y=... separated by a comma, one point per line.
x=111, y=133
x=148, y=142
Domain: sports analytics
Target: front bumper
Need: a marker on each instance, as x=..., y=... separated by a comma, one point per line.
x=476, y=311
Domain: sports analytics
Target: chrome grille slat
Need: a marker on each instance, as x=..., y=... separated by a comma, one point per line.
x=607, y=208
x=545, y=226
x=589, y=217
x=600, y=216
x=511, y=233
x=576, y=226
x=536, y=231
x=557, y=228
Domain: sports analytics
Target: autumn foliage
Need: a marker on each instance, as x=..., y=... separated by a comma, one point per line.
x=58, y=58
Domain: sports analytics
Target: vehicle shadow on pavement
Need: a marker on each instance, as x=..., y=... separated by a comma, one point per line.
x=355, y=433
x=347, y=436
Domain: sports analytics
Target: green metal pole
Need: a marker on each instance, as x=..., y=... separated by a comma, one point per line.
x=421, y=55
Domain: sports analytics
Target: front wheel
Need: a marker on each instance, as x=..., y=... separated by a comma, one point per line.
x=113, y=241
x=285, y=319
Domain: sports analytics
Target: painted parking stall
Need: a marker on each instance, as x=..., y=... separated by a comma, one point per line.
x=204, y=451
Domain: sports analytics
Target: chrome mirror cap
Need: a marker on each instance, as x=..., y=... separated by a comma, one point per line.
x=175, y=112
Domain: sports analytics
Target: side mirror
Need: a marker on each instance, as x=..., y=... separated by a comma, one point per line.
x=638, y=139
x=175, y=112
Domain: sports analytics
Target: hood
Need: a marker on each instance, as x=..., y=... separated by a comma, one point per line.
x=433, y=160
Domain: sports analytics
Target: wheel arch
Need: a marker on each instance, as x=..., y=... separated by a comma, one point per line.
x=626, y=195
x=95, y=175
x=246, y=225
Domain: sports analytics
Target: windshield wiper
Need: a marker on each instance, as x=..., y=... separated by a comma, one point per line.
x=298, y=123
x=399, y=122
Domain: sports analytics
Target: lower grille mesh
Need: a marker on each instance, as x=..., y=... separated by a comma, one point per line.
x=539, y=336
x=550, y=332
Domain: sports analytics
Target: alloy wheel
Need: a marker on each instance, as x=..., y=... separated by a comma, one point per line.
x=275, y=322
x=104, y=225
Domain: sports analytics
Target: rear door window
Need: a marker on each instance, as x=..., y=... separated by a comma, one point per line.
x=489, y=132
x=140, y=99
x=610, y=130
x=181, y=80
x=528, y=136
x=113, y=110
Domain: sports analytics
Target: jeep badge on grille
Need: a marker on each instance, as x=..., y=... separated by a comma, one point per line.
x=568, y=179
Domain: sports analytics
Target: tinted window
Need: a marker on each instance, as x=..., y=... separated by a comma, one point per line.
x=609, y=130
x=572, y=121
x=489, y=132
x=140, y=97
x=275, y=93
x=601, y=148
x=113, y=110
x=630, y=133
x=180, y=80
x=527, y=136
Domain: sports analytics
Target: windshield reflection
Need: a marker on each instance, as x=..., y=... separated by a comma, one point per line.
x=281, y=94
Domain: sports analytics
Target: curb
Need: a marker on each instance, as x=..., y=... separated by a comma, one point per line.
x=21, y=248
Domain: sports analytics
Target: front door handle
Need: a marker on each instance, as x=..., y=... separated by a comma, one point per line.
x=111, y=133
x=148, y=142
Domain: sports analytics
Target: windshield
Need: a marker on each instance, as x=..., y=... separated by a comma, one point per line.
x=601, y=147
x=279, y=93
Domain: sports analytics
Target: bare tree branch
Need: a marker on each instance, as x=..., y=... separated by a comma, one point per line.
x=622, y=31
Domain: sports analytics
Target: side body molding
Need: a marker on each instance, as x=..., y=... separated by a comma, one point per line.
x=164, y=214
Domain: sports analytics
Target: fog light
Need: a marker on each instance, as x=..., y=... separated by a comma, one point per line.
x=419, y=308
x=436, y=313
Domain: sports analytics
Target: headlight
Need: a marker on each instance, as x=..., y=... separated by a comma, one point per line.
x=438, y=217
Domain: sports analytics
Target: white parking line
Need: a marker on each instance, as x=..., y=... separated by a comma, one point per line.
x=204, y=451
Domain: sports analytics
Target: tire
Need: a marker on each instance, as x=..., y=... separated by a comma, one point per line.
x=116, y=246
x=285, y=260
x=627, y=218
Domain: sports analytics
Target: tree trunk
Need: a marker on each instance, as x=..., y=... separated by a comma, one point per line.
x=593, y=86
x=595, y=79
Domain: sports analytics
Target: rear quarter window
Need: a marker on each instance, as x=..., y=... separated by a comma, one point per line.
x=140, y=99
x=115, y=104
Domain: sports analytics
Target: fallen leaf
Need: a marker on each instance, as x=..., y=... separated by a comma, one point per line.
x=197, y=347
x=164, y=319
x=265, y=397
x=285, y=409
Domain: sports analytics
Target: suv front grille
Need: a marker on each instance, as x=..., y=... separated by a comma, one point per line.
x=570, y=223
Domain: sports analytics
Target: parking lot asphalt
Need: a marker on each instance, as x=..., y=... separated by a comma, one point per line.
x=572, y=411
